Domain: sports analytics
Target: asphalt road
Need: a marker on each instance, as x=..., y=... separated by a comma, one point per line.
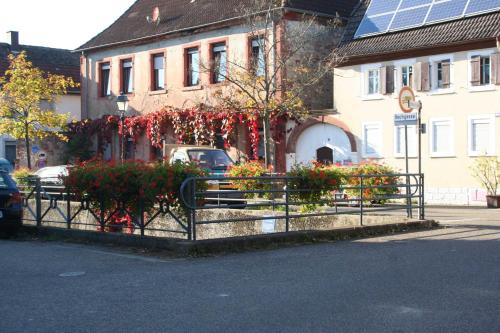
x=445, y=280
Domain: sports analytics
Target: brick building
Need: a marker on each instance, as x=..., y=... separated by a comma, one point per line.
x=152, y=61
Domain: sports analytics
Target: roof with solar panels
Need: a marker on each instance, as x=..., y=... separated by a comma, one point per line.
x=382, y=27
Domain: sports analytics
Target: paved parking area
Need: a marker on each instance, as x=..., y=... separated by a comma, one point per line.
x=443, y=280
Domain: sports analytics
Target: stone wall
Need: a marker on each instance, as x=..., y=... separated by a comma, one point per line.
x=274, y=222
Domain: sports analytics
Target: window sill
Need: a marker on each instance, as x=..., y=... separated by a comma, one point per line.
x=479, y=154
x=441, y=92
x=375, y=97
x=489, y=87
x=158, y=92
x=372, y=157
x=443, y=156
x=219, y=84
x=193, y=88
x=401, y=157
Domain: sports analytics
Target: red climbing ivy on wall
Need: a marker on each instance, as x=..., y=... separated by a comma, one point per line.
x=197, y=125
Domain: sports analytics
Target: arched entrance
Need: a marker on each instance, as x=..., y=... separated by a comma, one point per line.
x=327, y=141
x=324, y=155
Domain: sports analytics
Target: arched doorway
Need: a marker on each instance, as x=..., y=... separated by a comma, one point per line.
x=323, y=142
x=324, y=155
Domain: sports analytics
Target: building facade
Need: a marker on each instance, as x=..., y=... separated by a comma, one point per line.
x=160, y=62
x=454, y=68
x=49, y=60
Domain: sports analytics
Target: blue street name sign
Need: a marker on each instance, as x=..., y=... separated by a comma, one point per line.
x=405, y=119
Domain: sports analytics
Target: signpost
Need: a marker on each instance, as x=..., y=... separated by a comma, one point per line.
x=408, y=103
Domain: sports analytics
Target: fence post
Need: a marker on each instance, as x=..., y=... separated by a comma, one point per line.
x=422, y=197
x=68, y=208
x=38, y=202
x=193, y=211
x=287, y=205
x=102, y=217
x=141, y=217
x=409, y=205
x=361, y=198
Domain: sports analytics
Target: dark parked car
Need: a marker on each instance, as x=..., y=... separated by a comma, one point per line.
x=11, y=205
x=5, y=165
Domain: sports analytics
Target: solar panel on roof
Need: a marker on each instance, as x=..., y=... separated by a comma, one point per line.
x=410, y=18
x=380, y=7
x=392, y=15
x=375, y=24
x=413, y=3
x=478, y=6
x=446, y=10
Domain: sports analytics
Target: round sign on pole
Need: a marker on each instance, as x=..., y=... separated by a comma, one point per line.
x=406, y=96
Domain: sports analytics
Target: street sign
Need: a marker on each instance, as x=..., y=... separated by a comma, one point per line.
x=405, y=119
x=406, y=96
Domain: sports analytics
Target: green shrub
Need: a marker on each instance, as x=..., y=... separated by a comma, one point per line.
x=388, y=183
x=21, y=176
x=251, y=169
x=311, y=184
x=134, y=186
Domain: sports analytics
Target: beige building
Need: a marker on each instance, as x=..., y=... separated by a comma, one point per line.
x=49, y=60
x=454, y=69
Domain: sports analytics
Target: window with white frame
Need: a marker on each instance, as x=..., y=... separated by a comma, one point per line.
x=480, y=69
x=399, y=141
x=406, y=79
x=441, y=137
x=440, y=73
x=373, y=76
x=481, y=135
x=372, y=140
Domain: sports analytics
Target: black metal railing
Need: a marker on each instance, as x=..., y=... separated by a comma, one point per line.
x=49, y=204
x=406, y=194
x=209, y=201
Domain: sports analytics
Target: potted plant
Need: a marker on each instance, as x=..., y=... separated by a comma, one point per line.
x=486, y=170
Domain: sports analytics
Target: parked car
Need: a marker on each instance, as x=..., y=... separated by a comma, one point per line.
x=11, y=204
x=217, y=162
x=53, y=175
x=6, y=165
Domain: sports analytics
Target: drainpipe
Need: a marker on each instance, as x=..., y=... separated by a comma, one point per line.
x=85, y=88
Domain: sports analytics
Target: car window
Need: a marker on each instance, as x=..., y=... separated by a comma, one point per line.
x=210, y=159
x=5, y=182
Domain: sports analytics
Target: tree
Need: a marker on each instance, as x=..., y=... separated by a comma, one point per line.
x=289, y=61
x=26, y=96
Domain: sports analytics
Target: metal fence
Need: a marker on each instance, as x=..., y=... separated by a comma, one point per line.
x=54, y=205
x=215, y=201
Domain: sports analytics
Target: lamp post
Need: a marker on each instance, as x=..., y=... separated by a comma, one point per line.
x=122, y=102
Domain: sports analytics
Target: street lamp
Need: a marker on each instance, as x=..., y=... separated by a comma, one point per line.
x=122, y=102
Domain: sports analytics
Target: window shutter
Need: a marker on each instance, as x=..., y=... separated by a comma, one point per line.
x=425, y=76
x=389, y=80
x=417, y=82
x=446, y=66
x=495, y=68
x=383, y=80
x=475, y=69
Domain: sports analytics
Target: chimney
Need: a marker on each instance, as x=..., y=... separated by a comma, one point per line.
x=14, y=40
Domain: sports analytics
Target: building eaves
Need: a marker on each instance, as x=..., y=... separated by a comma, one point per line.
x=178, y=16
x=469, y=30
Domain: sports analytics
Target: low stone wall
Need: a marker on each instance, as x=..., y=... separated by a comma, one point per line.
x=272, y=222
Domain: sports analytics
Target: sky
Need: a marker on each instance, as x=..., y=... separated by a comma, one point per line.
x=58, y=23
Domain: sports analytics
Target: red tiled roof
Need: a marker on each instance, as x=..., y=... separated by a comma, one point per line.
x=50, y=60
x=185, y=15
x=470, y=29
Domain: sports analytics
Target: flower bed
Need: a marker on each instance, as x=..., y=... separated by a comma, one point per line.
x=131, y=188
x=379, y=184
x=314, y=183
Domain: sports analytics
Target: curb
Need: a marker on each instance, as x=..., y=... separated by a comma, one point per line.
x=227, y=245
